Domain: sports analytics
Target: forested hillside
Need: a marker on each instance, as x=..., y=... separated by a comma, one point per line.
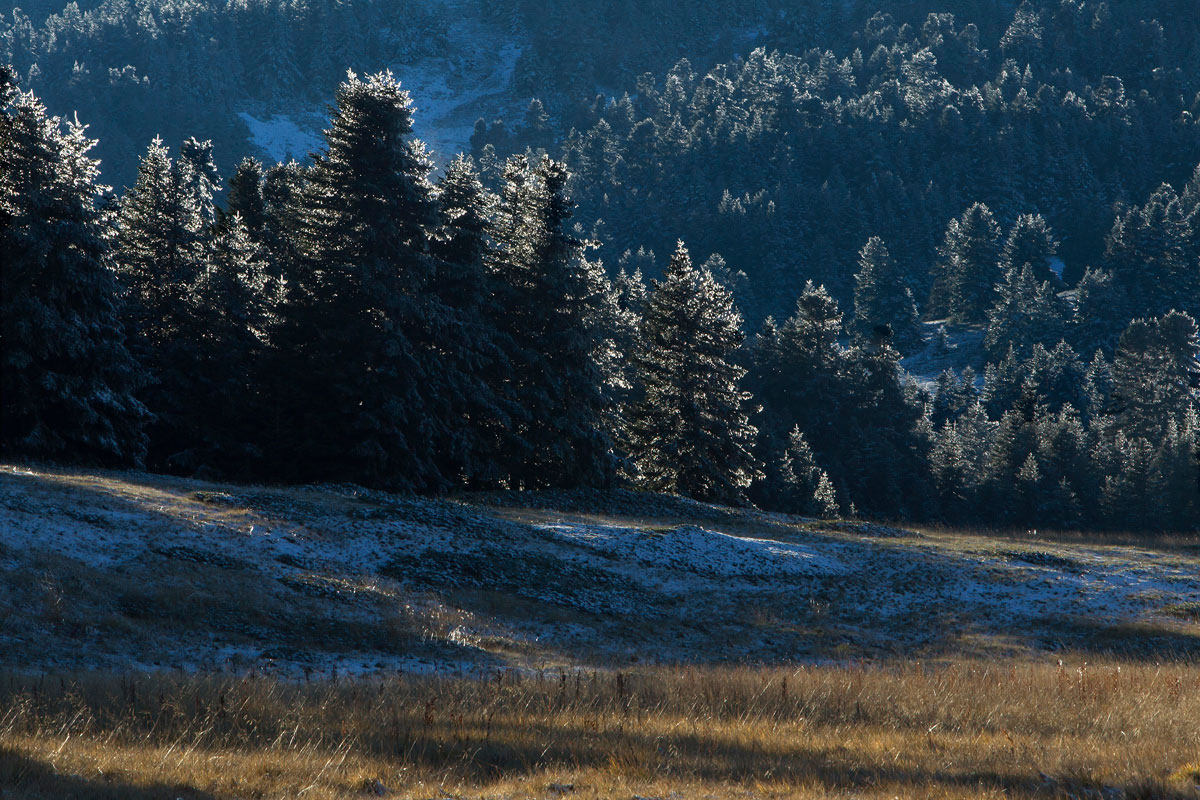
x=786, y=161
x=713, y=279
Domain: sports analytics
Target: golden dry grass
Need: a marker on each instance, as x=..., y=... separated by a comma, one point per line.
x=961, y=730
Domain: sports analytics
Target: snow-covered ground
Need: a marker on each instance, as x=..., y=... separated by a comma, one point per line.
x=281, y=137
x=132, y=571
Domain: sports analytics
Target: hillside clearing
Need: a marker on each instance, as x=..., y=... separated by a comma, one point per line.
x=134, y=571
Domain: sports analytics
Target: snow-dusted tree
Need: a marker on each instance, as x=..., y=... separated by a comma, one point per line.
x=1099, y=313
x=1031, y=242
x=245, y=197
x=968, y=264
x=690, y=428
x=1156, y=374
x=1026, y=312
x=67, y=381
x=198, y=176
x=473, y=348
x=359, y=402
x=553, y=308
x=882, y=298
x=806, y=489
x=160, y=251
x=1127, y=494
x=1175, y=474
x=220, y=403
x=958, y=461
x=163, y=245
x=954, y=395
x=1147, y=253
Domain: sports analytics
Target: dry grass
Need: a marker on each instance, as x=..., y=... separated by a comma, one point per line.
x=950, y=730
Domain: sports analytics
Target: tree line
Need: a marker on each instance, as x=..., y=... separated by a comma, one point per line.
x=361, y=319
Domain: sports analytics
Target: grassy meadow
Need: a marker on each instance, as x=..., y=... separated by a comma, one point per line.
x=943, y=730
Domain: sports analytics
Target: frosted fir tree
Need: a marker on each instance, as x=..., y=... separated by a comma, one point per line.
x=1026, y=312
x=882, y=298
x=197, y=175
x=1147, y=253
x=218, y=403
x=475, y=351
x=358, y=382
x=691, y=431
x=1032, y=242
x=552, y=307
x=1128, y=488
x=1175, y=474
x=160, y=251
x=67, y=382
x=245, y=197
x=968, y=266
x=1156, y=374
x=806, y=489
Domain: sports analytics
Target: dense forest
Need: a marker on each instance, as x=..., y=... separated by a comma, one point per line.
x=865, y=194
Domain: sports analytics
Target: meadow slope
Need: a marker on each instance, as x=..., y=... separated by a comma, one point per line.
x=122, y=570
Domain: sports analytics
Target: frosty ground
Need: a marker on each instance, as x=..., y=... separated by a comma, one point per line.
x=123, y=570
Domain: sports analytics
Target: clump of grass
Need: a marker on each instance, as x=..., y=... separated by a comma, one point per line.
x=952, y=730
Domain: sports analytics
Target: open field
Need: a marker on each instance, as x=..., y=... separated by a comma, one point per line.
x=169, y=638
x=939, y=731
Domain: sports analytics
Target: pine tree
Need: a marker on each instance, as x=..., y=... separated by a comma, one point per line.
x=358, y=380
x=953, y=396
x=245, y=197
x=198, y=176
x=479, y=401
x=1156, y=374
x=691, y=431
x=1031, y=242
x=163, y=244
x=806, y=489
x=1024, y=314
x=969, y=266
x=881, y=298
x=160, y=252
x=554, y=309
x=67, y=382
x=1099, y=313
x=959, y=459
x=232, y=320
x=1147, y=255
x=1127, y=494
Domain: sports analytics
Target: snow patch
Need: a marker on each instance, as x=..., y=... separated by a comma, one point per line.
x=281, y=137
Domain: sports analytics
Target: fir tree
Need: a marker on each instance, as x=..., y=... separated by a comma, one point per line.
x=160, y=252
x=1025, y=313
x=360, y=400
x=473, y=348
x=232, y=318
x=67, y=381
x=1156, y=374
x=163, y=244
x=554, y=307
x=245, y=197
x=1031, y=242
x=691, y=431
x=881, y=298
x=806, y=489
x=1127, y=494
x=969, y=266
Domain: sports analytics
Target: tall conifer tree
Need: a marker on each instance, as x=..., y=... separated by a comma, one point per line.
x=691, y=431
x=67, y=381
